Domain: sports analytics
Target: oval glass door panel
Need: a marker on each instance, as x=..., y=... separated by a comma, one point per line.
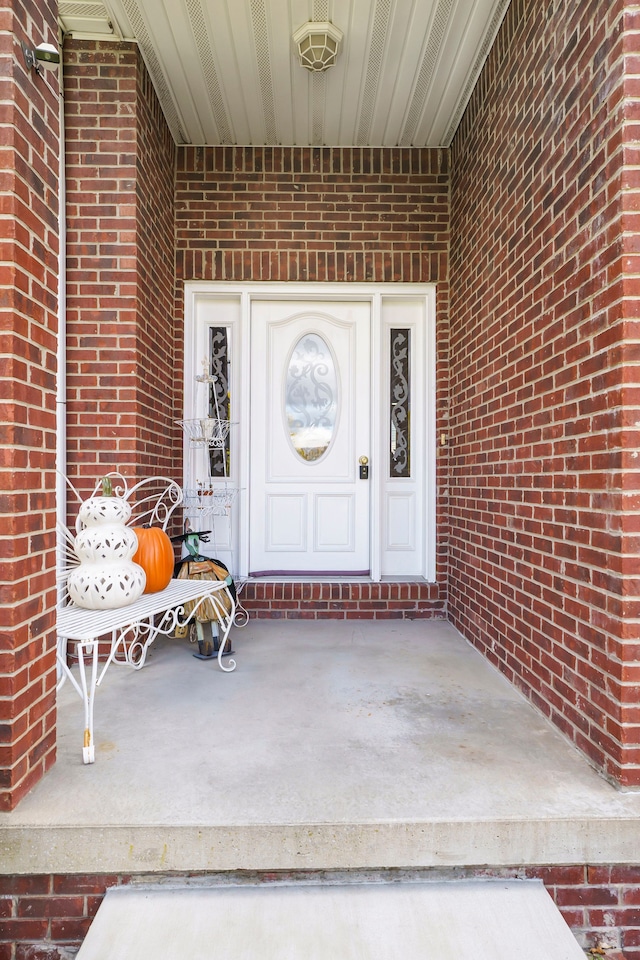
x=311, y=397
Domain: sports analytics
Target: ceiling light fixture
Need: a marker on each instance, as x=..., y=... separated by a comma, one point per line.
x=318, y=43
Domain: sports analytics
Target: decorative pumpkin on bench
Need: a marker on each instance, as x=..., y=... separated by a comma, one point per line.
x=155, y=556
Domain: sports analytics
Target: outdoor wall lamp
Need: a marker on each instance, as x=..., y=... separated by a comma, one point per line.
x=44, y=55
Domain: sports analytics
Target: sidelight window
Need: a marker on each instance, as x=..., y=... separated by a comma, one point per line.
x=219, y=396
x=400, y=403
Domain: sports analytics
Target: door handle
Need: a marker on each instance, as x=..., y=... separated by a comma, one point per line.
x=364, y=468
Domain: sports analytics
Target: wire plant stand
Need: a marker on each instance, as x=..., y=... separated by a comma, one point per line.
x=207, y=501
x=214, y=496
x=208, y=431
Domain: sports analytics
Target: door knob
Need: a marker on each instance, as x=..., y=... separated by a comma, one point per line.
x=364, y=468
x=363, y=461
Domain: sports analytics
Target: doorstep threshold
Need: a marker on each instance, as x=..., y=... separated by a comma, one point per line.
x=335, y=578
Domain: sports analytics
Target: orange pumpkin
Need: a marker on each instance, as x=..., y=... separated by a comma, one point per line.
x=155, y=556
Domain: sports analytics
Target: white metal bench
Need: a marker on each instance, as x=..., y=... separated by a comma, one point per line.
x=130, y=630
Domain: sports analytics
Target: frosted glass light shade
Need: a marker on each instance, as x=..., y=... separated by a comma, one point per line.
x=317, y=43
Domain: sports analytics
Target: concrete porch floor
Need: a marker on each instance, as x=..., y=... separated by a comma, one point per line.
x=334, y=745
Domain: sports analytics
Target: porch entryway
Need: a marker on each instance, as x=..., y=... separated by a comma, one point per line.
x=329, y=468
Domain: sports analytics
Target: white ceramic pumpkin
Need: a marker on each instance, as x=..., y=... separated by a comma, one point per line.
x=106, y=576
x=106, y=543
x=100, y=510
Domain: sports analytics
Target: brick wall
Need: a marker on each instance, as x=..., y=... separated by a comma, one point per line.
x=28, y=275
x=302, y=213
x=121, y=340
x=319, y=214
x=159, y=388
x=46, y=917
x=544, y=397
x=342, y=600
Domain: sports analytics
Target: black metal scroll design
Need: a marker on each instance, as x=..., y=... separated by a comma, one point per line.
x=219, y=367
x=400, y=405
x=310, y=399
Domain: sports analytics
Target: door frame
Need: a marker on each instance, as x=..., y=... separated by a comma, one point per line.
x=198, y=293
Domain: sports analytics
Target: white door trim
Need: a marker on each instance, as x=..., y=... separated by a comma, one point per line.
x=198, y=292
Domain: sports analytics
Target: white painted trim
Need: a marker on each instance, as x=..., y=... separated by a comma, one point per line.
x=431, y=493
x=279, y=290
x=62, y=454
x=245, y=437
x=375, y=558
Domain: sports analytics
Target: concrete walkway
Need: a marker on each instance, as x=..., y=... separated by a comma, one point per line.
x=334, y=745
x=485, y=920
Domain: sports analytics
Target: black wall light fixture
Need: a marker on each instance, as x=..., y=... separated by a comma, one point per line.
x=44, y=55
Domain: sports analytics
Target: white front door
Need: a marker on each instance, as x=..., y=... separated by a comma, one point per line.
x=309, y=509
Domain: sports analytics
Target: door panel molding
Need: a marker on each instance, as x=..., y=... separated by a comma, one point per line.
x=334, y=516
x=285, y=513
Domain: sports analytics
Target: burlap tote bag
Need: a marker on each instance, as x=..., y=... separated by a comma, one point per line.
x=208, y=570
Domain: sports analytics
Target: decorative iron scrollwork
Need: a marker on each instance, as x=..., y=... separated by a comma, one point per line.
x=220, y=398
x=400, y=403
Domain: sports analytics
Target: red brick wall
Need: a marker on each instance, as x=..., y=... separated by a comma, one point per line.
x=44, y=916
x=160, y=397
x=319, y=214
x=342, y=600
x=301, y=213
x=121, y=346
x=28, y=323
x=544, y=397
x=625, y=268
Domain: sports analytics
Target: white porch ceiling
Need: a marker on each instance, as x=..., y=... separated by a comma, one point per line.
x=226, y=71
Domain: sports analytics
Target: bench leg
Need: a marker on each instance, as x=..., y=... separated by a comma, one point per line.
x=88, y=694
x=224, y=624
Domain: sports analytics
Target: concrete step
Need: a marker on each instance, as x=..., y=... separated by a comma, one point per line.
x=458, y=920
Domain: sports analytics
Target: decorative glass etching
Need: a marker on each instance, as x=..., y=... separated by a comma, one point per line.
x=400, y=404
x=219, y=367
x=311, y=397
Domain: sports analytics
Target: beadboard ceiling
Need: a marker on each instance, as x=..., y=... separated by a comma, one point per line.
x=226, y=71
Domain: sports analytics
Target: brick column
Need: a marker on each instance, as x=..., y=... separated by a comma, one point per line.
x=624, y=608
x=120, y=268
x=28, y=325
